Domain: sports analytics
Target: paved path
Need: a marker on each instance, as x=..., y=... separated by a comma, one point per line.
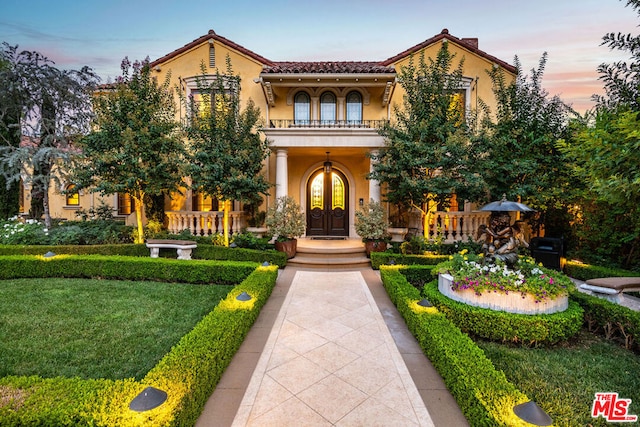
x=335, y=353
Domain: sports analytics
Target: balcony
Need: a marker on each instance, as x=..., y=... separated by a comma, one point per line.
x=326, y=124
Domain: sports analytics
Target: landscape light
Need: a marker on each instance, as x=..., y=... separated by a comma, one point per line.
x=243, y=297
x=148, y=399
x=425, y=303
x=49, y=255
x=532, y=413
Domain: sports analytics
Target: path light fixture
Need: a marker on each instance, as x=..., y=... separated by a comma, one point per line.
x=425, y=303
x=266, y=264
x=148, y=399
x=243, y=297
x=327, y=164
x=532, y=413
x=233, y=245
x=49, y=255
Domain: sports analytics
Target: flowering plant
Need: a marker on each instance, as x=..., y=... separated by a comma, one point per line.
x=470, y=272
x=15, y=231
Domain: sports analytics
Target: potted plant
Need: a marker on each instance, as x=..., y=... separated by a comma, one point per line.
x=286, y=222
x=372, y=225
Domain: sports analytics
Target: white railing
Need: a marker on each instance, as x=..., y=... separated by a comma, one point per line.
x=456, y=226
x=204, y=223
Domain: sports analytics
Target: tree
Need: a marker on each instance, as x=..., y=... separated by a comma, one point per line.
x=523, y=161
x=429, y=151
x=227, y=150
x=622, y=79
x=43, y=111
x=136, y=146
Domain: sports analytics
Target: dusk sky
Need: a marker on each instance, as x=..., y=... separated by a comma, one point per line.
x=100, y=33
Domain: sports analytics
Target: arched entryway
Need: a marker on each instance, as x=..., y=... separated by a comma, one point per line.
x=327, y=204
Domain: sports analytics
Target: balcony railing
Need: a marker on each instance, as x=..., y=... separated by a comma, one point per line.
x=204, y=223
x=341, y=124
x=451, y=227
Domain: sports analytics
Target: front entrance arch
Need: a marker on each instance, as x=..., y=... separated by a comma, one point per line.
x=327, y=204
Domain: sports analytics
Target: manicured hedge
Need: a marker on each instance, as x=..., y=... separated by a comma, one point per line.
x=581, y=271
x=483, y=393
x=613, y=321
x=188, y=373
x=501, y=326
x=203, y=251
x=121, y=267
x=385, y=258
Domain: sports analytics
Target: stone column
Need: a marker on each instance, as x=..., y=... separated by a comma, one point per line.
x=374, y=185
x=282, y=173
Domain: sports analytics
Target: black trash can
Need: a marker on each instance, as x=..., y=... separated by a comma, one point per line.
x=549, y=251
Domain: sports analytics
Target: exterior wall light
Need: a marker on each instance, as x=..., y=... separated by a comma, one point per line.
x=532, y=413
x=327, y=165
x=148, y=399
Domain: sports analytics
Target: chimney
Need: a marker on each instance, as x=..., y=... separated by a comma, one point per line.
x=473, y=42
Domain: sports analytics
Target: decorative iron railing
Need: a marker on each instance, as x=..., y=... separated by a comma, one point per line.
x=329, y=124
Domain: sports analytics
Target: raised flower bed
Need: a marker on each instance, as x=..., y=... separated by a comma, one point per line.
x=526, y=288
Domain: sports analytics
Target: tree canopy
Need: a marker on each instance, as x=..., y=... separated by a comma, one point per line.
x=227, y=150
x=429, y=151
x=43, y=112
x=135, y=147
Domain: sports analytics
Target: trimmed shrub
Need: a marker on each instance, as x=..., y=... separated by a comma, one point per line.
x=581, y=271
x=130, y=268
x=502, y=326
x=483, y=393
x=385, y=258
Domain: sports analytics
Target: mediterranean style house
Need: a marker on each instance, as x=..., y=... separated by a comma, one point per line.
x=321, y=119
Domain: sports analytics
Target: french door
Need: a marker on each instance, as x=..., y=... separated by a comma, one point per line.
x=327, y=204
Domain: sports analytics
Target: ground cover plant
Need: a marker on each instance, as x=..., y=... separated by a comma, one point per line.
x=565, y=378
x=95, y=328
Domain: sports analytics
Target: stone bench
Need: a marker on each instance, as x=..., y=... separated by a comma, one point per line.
x=183, y=247
x=611, y=288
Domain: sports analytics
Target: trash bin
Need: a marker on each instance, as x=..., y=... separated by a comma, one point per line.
x=549, y=251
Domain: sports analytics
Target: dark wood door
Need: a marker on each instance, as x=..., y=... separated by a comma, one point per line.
x=327, y=204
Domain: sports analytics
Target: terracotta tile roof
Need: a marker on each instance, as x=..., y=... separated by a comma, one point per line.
x=336, y=67
x=470, y=44
x=211, y=35
x=328, y=67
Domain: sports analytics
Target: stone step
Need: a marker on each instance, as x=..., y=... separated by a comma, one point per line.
x=326, y=254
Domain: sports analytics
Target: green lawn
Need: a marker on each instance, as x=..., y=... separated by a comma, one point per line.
x=95, y=328
x=564, y=379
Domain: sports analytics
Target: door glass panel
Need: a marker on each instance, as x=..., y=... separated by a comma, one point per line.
x=337, y=192
x=317, y=192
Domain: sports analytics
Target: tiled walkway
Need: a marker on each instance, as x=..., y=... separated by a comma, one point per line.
x=330, y=360
x=335, y=352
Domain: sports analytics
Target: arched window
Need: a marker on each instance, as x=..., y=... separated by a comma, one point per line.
x=72, y=196
x=328, y=108
x=302, y=108
x=354, y=108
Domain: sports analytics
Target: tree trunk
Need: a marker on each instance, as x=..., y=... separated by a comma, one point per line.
x=139, y=206
x=45, y=207
x=225, y=220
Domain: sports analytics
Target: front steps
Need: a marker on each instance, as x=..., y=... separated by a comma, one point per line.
x=330, y=255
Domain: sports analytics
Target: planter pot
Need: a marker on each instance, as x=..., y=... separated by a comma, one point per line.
x=397, y=233
x=257, y=231
x=374, y=246
x=289, y=247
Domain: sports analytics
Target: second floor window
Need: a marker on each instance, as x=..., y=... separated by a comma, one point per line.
x=302, y=108
x=354, y=108
x=328, y=108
